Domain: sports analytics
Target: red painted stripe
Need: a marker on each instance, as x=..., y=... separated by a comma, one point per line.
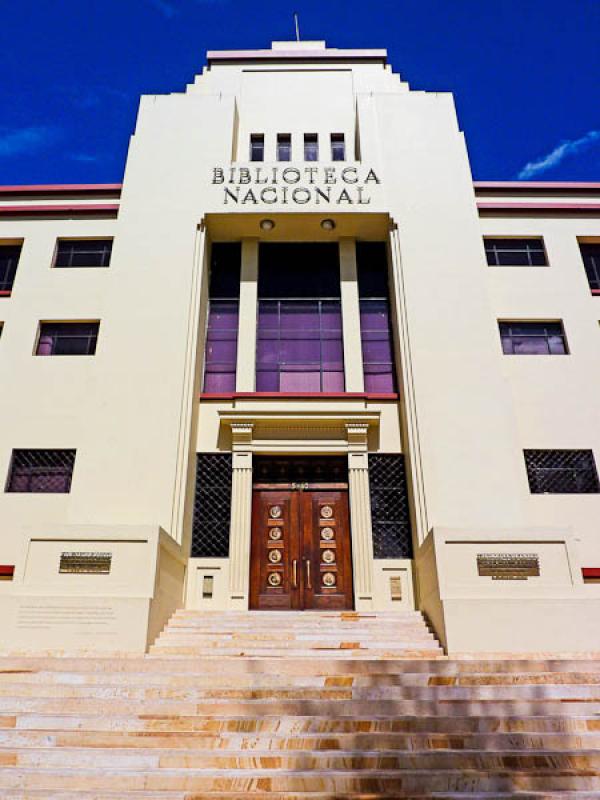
x=591, y=572
x=299, y=395
x=508, y=206
x=31, y=210
x=7, y=570
x=5, y=293
x=63, y=188
x=527, y=185
x=595, y=291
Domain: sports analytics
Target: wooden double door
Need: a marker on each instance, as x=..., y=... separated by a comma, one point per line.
x=300, y=554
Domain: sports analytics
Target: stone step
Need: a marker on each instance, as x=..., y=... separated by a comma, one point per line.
x=289, y=691
x=253, y=781
x=270, y=742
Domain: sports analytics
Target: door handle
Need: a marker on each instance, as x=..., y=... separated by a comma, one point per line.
x=294, y=574
x=308, y=581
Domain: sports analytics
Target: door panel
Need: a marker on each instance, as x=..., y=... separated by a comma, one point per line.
x=300, y=557
x=326, y=551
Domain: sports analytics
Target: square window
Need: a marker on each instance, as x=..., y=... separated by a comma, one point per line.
x=83, y=253
x=257, y=147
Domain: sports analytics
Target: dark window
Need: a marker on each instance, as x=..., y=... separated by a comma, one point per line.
x=392, y=537
x=375, y=323
x=311, y=147
x=212, y=506
x=591, y=261
x=284, y=147
x=257, y=147
x=299, y=341
x=67, y=339
x=561, y=471
x=48, y=471
x=533, y=338
x=9, y=258
x=83, y=253
x=223, y=316
x=338, y=147
x=515, y=253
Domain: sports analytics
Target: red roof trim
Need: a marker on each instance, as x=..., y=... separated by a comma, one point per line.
x=322, y=54
x=7, y=570
x=590, y=572
x=297, y=395
x=536, y=185
x=482, y=205
x=59, y=210
x=64, y=188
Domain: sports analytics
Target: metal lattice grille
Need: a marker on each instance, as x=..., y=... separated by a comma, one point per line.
x=38, y=471
x=212, y=506
x=392, y=537
x=561, y=471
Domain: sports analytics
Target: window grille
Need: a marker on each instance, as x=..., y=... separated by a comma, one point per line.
x=533, y=338
x=41, y=471
x=284, y=147
x=212, y=506
x=9, y=258
x=83, y=253
x=515, y=253
x=390, y=515
x=257, y=147
x=338, y=147
x=375, y=318
x=591, y=262
x=311, y=147
x=561, y=471
x=67, y=339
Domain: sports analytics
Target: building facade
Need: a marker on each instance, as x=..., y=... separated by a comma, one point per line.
x=299, y=360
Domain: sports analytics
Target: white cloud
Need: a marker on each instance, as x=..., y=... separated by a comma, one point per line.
x=167, y=9
x=26, y=140
x=570, y=147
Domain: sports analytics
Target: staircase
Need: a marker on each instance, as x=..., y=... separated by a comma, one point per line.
x=247, y=705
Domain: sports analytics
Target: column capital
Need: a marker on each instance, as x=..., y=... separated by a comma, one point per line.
x=357, y=433
x=241, y=434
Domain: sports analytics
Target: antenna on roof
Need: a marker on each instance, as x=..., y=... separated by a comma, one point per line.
x=297, y=26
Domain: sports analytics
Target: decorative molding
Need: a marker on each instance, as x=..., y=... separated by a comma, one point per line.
x=241, y=434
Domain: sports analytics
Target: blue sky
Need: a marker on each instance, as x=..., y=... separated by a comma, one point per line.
x=525, y=73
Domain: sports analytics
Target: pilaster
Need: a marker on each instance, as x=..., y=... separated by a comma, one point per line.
x=353, y=365
x=241, y=515
x=246, y=351
x=360, y=515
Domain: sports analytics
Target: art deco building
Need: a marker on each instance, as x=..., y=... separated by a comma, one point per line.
x=299, y=360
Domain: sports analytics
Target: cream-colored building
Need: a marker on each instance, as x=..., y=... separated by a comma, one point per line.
x=300, y=360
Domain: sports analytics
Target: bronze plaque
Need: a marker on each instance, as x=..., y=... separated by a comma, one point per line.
x=85, y=563
x=508, y=566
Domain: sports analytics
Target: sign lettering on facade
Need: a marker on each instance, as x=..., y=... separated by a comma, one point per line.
x=508, y=566
x=90, y=563
x=293, y=185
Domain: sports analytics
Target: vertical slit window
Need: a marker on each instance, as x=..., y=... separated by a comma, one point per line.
x=299, y=337
x=338, y=147
x=375, y=318
x=284, y=147
x=257, y=147
x=9, y=259
x=212, y=506
x=590, y=254
x=390, y=514
x=220, y=356
x=311, y=147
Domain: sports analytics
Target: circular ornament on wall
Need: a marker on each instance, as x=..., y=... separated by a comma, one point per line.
x=274, y=556
x=275, y=512
x=328, y=556
x=329, y=579
x=274, y=579
x=326, y=512
x=327, y=534
x=275, y=534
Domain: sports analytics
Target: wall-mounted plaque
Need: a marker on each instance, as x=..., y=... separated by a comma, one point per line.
x=85, y=563
x=508, y=566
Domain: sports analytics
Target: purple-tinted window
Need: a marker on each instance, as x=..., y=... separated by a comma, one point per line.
x=299, y=346
x=67, y=339
x=41, y=471
x=375, y=318
x=220, y=355
x=533, y=338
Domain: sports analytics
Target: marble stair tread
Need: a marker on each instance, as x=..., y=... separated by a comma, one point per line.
x=36, y=794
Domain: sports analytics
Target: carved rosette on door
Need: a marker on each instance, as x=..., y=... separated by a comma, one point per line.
x=327, y=548
x=275, y=543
